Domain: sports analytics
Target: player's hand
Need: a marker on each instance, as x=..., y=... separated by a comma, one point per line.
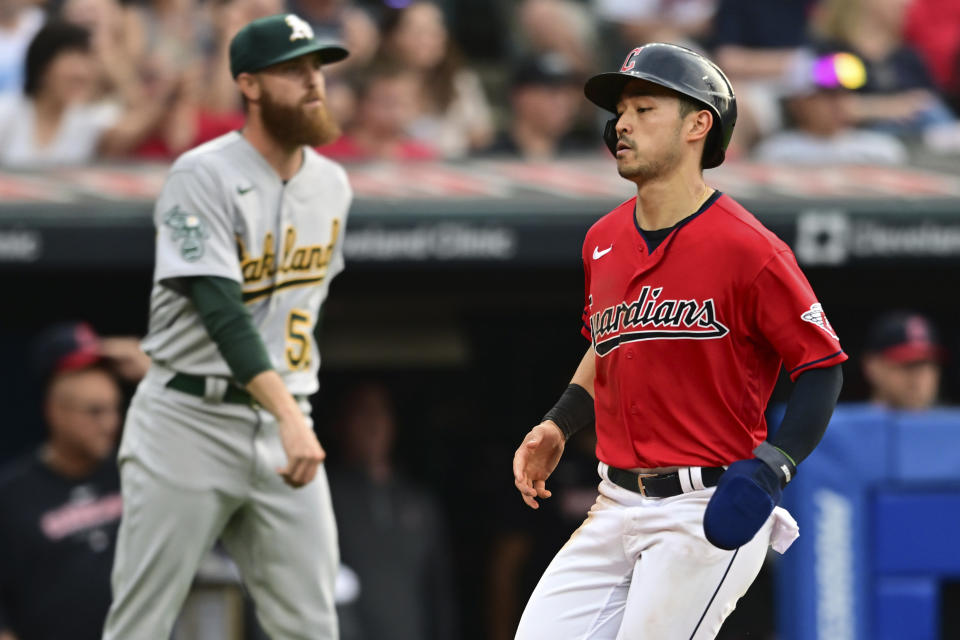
x=304, y=453
x=535, y=460
x=129, y=360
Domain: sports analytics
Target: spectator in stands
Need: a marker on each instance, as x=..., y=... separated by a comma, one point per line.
x=201, y=100
x=19, y=22
x=220, y=96
x=759, y=40
x=360, y=35
x=391, y=532
x=558, y=26
x=387, y=105
x=755, y=44
x=57, y=121
x=169, y=35
x=186, y=122
x=817, y=100
x=60, y=505
x=454, y=115
x=545, y=94
x=933, y=30
x=636, y=22
x=902, y=361
x=111, y=44
x=129, y=79
x=899, y=95
x=325, y=16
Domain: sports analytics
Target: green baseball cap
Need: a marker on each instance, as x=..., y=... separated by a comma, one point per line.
x=277, y=38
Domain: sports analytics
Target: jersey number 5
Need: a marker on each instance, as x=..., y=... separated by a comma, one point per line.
x=298, y=340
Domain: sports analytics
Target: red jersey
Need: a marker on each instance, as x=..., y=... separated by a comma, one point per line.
x=690, y=338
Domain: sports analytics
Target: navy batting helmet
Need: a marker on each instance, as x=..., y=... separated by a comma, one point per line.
x=678, y=68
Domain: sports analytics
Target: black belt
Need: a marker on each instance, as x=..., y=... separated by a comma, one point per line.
x=663, y=485
x=197, y=386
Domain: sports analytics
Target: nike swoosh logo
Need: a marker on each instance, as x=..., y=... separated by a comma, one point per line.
x=597, y=254
x=243, y=191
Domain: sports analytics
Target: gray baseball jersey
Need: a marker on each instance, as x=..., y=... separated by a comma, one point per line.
x=223, y=211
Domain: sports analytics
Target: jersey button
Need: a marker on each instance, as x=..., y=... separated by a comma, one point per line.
x=629, y=354
x=633, y=407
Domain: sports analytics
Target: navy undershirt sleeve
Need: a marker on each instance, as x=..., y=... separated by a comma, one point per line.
x=808, y=412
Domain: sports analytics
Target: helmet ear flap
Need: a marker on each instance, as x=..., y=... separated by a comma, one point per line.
x=610, y=136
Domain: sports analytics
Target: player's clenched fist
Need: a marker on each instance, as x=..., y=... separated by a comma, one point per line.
x=535, y=460
x=303, y=450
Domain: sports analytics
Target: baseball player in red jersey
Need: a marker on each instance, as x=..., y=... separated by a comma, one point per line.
x=691, y=307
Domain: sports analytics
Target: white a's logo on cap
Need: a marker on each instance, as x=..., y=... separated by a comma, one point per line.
x=299, y=29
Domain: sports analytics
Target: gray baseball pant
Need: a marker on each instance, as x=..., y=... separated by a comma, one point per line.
x=194, y=471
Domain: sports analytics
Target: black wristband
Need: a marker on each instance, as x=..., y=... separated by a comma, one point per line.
x=573, y=411
x=777, y=460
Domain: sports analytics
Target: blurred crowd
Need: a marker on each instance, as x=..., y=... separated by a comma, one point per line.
x=818, y=81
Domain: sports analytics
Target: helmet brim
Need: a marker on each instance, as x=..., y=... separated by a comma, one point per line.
x=605, y=89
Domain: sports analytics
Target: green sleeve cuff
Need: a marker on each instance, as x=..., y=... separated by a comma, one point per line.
x=219, y=302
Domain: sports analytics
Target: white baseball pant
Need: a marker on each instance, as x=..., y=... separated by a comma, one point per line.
x=641, y=569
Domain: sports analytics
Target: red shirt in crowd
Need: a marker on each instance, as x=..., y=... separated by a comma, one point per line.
x=208, y=126
x=347, y=149
x=690, y=338
x=933, y=28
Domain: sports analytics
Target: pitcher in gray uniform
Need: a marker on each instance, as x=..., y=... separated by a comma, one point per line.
x=218, y=442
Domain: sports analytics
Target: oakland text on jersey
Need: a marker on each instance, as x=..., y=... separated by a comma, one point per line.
x=650, y=318
x=310, y=261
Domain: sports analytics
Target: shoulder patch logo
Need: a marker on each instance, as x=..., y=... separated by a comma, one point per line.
x=299, y=29
x=816, y=316
x=190, y=228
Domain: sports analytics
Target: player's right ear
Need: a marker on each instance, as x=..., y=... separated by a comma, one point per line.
x=249, y=86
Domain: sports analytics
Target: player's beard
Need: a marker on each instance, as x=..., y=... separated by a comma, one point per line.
x=295, y=125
